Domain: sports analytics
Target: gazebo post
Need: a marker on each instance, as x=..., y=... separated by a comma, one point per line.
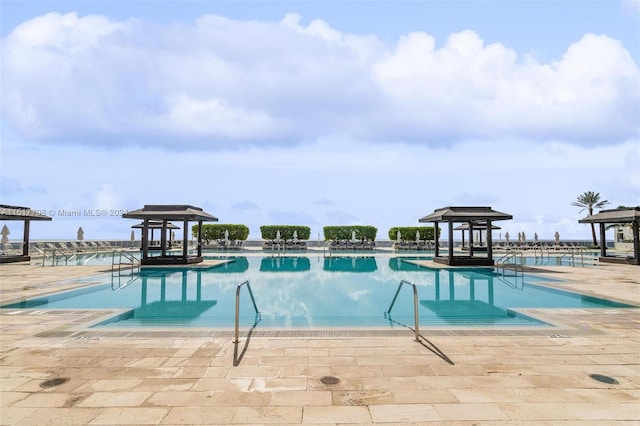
x=489, y=239
x=437, y=238
x=636, y=240
x=199, y=238
x=603, y=243
x=145, y=239
x=462, y=232
x=25, y=239
x=470, y=238
x=163, y=238
x=450, y=242
x=185, y=239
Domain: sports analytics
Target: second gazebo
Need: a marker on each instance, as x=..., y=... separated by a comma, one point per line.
x=471, y=216
x=164, y=213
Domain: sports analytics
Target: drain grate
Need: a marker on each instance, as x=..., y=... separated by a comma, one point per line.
x=604, y=379
x=54, y=382
x=329, y=380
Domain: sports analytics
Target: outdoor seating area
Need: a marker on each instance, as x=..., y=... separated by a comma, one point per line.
x=403, y=245
x=351, y=245
x=226, y=245
x=290, y=245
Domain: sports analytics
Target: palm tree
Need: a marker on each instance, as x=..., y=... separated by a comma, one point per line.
x=588, y=201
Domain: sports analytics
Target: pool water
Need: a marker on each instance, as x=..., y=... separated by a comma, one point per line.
x=296, y=292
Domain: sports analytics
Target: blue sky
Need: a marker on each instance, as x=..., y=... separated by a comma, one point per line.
x=319, y=113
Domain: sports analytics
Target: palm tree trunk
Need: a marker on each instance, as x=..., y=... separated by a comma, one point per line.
x=593, y=228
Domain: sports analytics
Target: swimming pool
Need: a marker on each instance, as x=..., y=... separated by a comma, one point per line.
x=307, y=292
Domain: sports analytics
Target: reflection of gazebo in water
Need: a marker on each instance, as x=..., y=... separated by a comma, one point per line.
x=479, y=228
x=620, y=216
x=455, y=310
x=471, y=216
x=170, y=311
x=164, y=214
x=26, y=215
x=156, y=224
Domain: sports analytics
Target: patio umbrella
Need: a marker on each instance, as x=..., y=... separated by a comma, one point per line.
x=133, y=236
x=80, y=234
x=353, y=237
x=417, y=236
x=524, y=237
x=5, y=232
x=173, y=235
x=519, y=237
x=535, y=237
x=398, y=237
x=295, y=237
x=278, y=238
x=506, y=237
x=226, y=235
x=557, y=236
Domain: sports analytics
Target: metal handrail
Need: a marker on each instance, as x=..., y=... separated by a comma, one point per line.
x=135, y=262
x=415, y=305
x=503, y=261
x=237, y=339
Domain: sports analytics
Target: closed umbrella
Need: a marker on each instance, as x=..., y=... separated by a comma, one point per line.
x=524, y=237
x=133, y=236
x=506, y=237
x=5, y=232
x=80, y=234
x=353, y=237
x=398, y=237
x=278, y=238
x=226, y=235
x=557, y=237
x=417, y=236
x=535, y=237
x=295, y=237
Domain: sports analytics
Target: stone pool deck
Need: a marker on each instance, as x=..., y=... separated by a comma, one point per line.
x=454, y=377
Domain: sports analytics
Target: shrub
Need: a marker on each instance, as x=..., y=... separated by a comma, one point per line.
x=408, y=233
x=269, y=232
x=216, y=231
x=344, y=232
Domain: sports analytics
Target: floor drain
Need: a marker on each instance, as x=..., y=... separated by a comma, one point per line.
x=604, y=379
x=54, y=382
x=329, y=380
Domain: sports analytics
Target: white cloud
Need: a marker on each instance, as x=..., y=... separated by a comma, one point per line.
x=223, y=83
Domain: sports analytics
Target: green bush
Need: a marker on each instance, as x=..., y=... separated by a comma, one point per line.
x=345, y=232
x=269, y=232
x=216, y=231
x=408, y=233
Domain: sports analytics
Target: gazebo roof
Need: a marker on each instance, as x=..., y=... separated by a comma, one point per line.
x=465, y=214
x=20, y=213
x=155, y=224
x=614, y=216
x=170, y=212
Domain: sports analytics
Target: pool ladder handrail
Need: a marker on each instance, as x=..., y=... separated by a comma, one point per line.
x=61, y=253
x=133, y=262
x=237, y=324
x=415, y=306
x=505, y=259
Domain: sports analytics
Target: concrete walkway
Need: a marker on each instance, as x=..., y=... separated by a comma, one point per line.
x=455, y=377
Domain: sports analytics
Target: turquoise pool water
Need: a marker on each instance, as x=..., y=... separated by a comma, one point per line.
x=313, y=292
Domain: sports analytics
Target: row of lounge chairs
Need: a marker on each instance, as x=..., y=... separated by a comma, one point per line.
x=348, y=245
x=414, y=245
x=289, y=245
x=538, y=245
x=225, y=245
x=73, y=246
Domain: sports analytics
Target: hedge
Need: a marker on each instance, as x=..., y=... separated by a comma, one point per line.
x=408, y=233
x=345, y=232
x=216, y=231
x=269, y=232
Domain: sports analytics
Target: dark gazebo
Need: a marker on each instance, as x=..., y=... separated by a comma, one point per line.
x=473, y=217
x=619, y=216
x=164, y=213
x=26, y=215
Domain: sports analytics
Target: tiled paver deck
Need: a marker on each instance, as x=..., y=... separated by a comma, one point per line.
x=494, y=377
